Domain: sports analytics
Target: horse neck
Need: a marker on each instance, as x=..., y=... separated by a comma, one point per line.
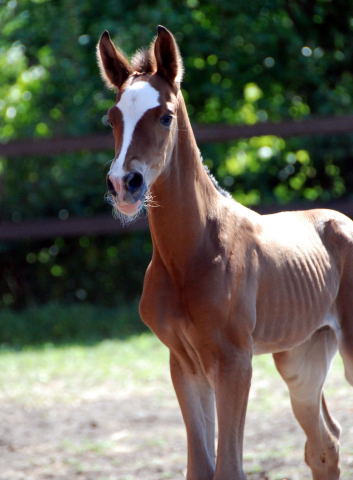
x=185, y=196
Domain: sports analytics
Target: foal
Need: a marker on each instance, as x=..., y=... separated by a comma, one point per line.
x=226, y=283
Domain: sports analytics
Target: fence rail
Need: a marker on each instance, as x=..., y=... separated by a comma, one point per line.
x=204, y=134
x=105, y=224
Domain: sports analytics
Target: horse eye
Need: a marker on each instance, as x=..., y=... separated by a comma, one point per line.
x=166, y=120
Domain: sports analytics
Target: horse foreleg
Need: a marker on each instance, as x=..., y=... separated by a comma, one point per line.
x=196, y=401
x=232, y=384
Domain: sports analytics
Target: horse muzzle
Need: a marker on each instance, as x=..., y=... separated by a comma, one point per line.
x=128, y=192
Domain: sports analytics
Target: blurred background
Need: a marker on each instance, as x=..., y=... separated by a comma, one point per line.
x=84, y=391
x=68, y=271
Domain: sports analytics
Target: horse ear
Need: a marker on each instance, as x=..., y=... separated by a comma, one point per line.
x=168, y=58
x=114, y=66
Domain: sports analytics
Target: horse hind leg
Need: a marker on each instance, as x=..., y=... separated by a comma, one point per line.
x=345, y=319
x=346, y=351
x=304, y=369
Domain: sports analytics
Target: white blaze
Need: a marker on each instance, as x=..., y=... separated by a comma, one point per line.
x=135, y=101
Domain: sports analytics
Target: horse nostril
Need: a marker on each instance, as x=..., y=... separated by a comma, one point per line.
x=111, y=188
x=133, y=181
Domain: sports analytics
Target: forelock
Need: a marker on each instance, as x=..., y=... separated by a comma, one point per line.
x=144, y=61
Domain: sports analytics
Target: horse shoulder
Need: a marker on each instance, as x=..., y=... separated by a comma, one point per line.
x=160, y=308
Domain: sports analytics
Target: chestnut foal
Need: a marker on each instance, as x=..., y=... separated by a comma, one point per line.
x=226, y=283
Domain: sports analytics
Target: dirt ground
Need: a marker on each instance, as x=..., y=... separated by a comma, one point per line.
x=107, y=434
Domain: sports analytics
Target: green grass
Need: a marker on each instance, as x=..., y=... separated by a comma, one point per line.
x=69, y=348
x=91, y=341
x=59, y=372
x=67, y=323
x=37, y=373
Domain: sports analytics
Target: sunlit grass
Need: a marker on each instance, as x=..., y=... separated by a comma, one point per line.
x=31, y=374
x=63, y=371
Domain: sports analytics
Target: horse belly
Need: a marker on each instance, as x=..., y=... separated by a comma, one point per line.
x=295, y=298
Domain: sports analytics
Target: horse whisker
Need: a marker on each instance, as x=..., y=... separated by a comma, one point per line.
x=124, y=219
x=149, y=201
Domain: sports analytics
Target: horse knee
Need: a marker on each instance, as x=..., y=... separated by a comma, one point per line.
x=323, y=460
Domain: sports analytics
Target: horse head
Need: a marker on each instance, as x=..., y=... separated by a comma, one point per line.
x=143, y=118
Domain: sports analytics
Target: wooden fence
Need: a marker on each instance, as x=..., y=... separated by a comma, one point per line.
x=204, y=134
x=105, y=224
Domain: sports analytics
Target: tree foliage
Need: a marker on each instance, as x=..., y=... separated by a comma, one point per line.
x=245, y=62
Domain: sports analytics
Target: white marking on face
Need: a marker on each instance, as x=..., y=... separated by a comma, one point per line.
x=135, y=101
x=170, y=106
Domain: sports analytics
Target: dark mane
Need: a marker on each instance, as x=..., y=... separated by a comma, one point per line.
x=143, y=61
x=214, y=181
